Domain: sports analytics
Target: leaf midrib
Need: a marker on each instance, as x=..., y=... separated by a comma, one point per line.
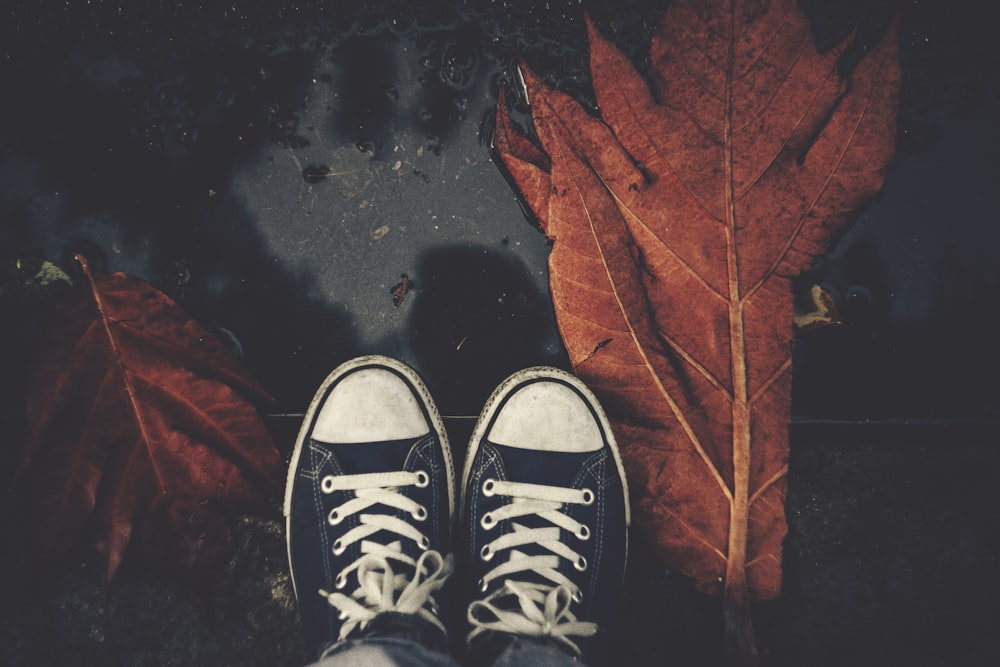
x=123, y=369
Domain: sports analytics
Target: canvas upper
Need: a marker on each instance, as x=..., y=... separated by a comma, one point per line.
x=545, y=511
x=369, y=503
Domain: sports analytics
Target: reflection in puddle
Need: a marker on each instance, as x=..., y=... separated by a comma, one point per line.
x=371, y=189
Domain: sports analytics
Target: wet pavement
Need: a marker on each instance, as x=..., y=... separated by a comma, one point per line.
x=315, y=182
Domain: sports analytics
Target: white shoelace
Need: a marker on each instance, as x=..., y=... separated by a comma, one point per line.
x=380, y=588
x=528, y=607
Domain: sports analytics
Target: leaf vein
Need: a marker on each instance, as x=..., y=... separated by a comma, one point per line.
x=785, y=366
x=771, y=481
x=805, y=213
x=633, y=335
x=697, y=365
x=666, y=248
x=694, y=533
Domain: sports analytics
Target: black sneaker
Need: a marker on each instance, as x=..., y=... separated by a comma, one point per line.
x=369, y=504
x=546, y=513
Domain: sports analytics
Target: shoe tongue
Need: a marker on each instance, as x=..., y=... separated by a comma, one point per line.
x=367, y=457
x=539, y=467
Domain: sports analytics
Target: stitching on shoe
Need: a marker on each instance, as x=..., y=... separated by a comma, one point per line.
x=318, y=456
x=490, y=457
x=424, y=450
x=597, y=553
x=595, y=471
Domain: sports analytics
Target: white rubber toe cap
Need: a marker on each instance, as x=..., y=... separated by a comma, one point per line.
x=370, y=405
x=547, y=416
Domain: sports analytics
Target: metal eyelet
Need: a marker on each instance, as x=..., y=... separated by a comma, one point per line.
x=482, y=585
x=488, y=487
x=487, y=521
x=338, y=548
x=577, y=596
x=588, y=497
x=583, y=533
x=425, y=542
x=340, y=581
x=420, y=513
x=423, y=479
x=326, y=485
x=486, y=553
x=333, y=518
x=580, y=564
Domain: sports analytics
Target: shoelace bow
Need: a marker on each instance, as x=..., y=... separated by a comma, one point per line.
x=380, y=587
x=529, y=607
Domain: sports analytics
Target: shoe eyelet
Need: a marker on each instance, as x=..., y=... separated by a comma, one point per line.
x=580, y=564
x=420, y=513
x=487, y=521
x=486, y=553
x=424, y=543
x=588, y=497
x=338, y=548
x=481, y=584
x=423, y=479
x=326, y=485
x=488, y=487
x=333, y=518
x=577, y=596
x=583, y=533
x=340, y=581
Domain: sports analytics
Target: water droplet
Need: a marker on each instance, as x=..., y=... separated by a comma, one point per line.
x=165, y=96
x=401, y=24
x=186, y=112
x=288, y=124
x=458, y=65
x=370, y=25
x=226, y=98
x=186, y=134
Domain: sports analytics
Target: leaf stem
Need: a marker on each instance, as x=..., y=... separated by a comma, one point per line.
x=740, y=645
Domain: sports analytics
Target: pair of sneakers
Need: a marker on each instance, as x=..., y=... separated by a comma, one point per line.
x=371, y=515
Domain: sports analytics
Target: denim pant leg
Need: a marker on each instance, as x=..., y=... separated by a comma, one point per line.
x=527, y=652
x=383, y=652
x=397, y=652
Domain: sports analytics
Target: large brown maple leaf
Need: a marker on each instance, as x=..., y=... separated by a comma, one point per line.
x=679, y=219
x=138, y=413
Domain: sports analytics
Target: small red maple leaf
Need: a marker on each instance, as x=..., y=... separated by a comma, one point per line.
x=134, y=405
